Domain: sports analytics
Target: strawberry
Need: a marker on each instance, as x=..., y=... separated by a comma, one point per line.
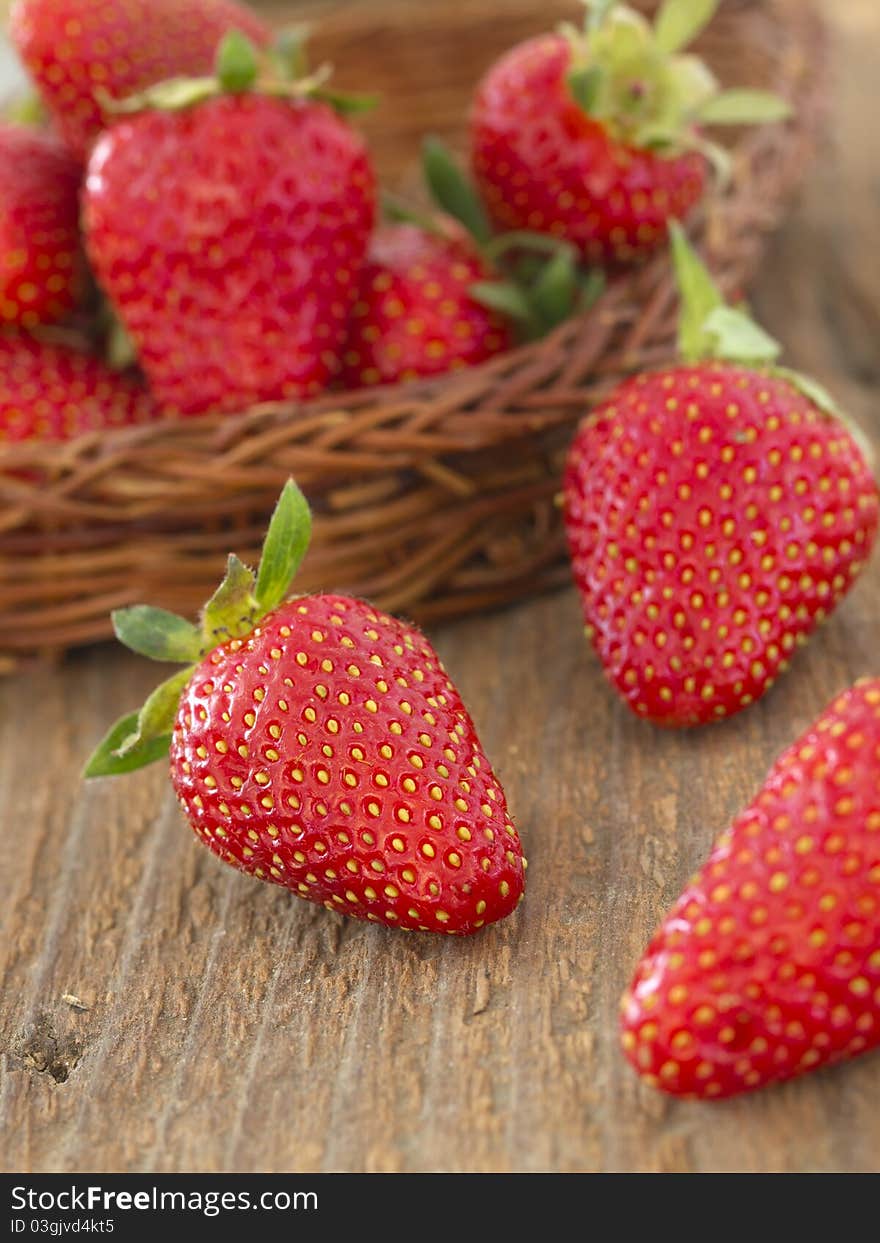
x=318, y=744
x=229, y=231
x=416, y=315
x=595, y=136
x=441, y=292
x=768, y=964
x=50, y=392
x=716, y=511
x=40, y=260
x=80, y=52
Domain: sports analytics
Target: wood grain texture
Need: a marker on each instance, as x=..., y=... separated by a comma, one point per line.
x=161, y=1012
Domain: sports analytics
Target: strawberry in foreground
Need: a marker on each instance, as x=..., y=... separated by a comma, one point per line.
x=80, y=53
x=416, y=314
x=318, y=743
x=716, y=512
x=228, y=224
x=51, y=392
x=40, y=258
x=769, y=963
x=596, y=135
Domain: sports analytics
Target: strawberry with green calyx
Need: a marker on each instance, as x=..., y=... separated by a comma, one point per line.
x=716, y=512
x=82, y=53
x=768, y=965
x=318, y=744
x=249, y=202
x=596, y=135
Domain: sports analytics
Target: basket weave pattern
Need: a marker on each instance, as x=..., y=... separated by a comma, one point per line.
x=433, y=498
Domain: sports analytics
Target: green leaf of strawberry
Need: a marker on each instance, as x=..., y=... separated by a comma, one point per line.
x=157, y=634
x=744, y=107
x=680, y=21
x=156, y=717
x=700, y=296
x=505, y=297
x=555, y=291
x=236, y=64
x=453, y=193
x=285, y=545
x=106, y=761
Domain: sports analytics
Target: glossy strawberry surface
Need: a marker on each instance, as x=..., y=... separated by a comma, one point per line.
x=543, y=164
x=76, y=49
x=330, y=753
x=415, y=315
x=769, y=963
x=230, y=237
x=40, y=258
x=49, y=392
x=715, y=516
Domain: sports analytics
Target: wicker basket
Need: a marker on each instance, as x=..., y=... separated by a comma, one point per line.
x=433, y=499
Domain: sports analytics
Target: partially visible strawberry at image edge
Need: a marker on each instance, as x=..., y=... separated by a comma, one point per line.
x=52, y=392
x=81, y=53
x=41, y=274
x=318, y=743
x=768, y=965
x=716, y=512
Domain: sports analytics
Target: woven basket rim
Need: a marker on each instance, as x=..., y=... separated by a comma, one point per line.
x=398, y=474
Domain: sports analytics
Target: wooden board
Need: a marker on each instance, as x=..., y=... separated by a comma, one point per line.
x=160, y=1012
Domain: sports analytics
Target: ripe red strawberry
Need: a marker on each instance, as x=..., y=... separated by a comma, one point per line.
x=594, y=136
x=40, y=258
x=75, y=50
x=715, y=513
x=50, y=392
x=768, y=964
x=321, y=746
x=415, y=315
x=229, y=234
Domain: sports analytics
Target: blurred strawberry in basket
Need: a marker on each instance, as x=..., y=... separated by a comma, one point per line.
x=79, y=52
x=228, y=219
x=52, y=392
x=40, y=259
x=442, y=291
x=416, y=315
x=595, y=134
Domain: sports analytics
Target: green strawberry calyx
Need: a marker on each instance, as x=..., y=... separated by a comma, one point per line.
x=243, y=598
x=636, y=78
x=239, y=68
x=537, y=280
x=711, y=330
